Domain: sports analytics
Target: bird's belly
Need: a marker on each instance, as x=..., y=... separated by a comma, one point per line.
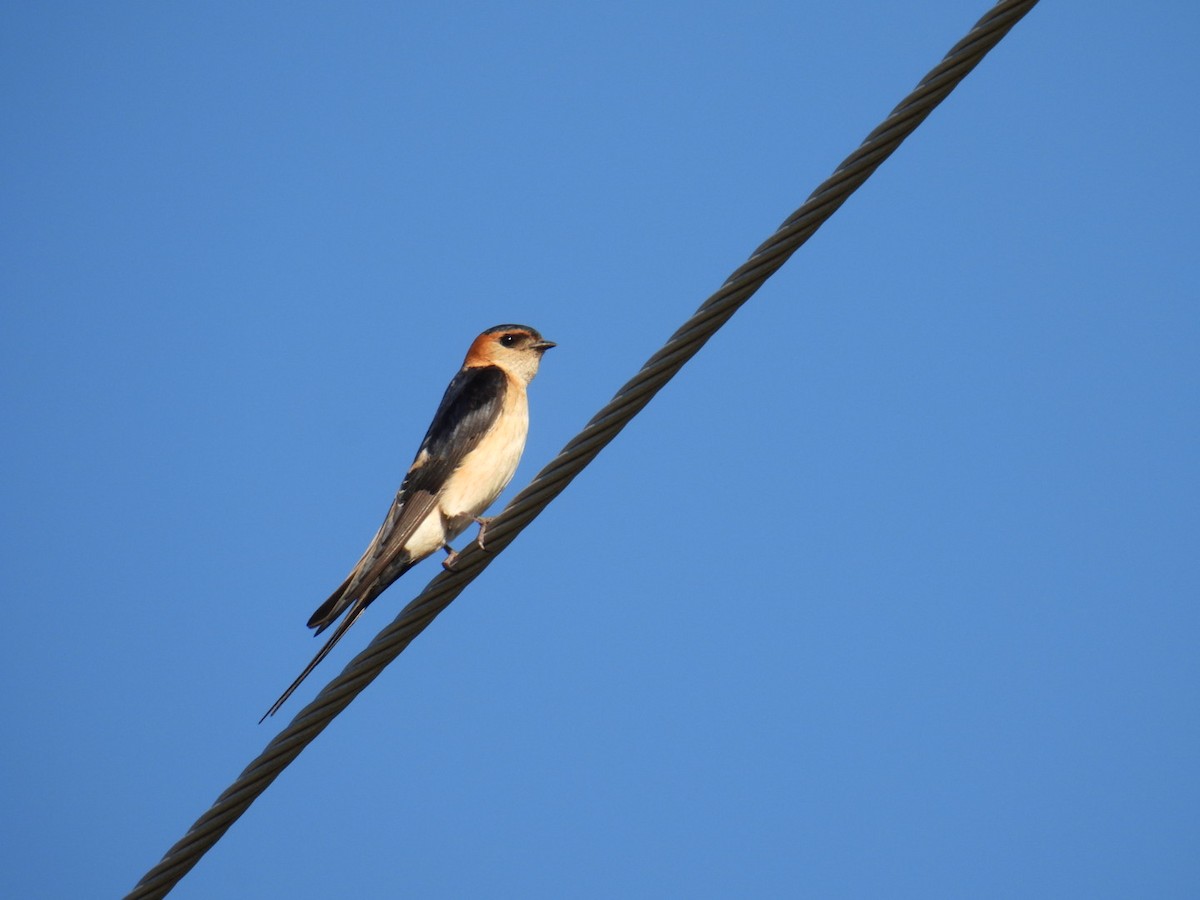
x=430, y=535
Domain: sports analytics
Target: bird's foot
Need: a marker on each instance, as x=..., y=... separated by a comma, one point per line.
x=484, y=522
x=451, y=558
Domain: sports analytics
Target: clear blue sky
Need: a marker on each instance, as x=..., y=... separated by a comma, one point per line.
x=895, y=591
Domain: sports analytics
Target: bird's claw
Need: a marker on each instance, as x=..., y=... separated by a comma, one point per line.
x=484, y=522
x=452, y=555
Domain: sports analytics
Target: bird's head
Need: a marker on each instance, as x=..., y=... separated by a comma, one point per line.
x=517, y=349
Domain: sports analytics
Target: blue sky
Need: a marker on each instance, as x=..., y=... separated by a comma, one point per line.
x=893, y=592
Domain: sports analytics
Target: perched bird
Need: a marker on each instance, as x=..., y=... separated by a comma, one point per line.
x=467, y=458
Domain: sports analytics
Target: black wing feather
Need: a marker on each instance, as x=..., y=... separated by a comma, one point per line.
x=473, y=400
x=470, y=406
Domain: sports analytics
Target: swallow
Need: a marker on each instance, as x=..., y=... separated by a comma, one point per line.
x=468, y=456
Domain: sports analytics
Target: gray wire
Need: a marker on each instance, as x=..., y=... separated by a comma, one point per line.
x=603, y=427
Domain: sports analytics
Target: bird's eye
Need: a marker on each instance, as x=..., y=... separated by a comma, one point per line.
x=510, y=340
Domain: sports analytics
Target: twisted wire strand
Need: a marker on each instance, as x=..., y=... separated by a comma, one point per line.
x=584, y=447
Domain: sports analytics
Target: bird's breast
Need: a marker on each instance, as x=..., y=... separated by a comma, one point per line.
x=488, y=468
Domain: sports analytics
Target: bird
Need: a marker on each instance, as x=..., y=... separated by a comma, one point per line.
x=468, y=456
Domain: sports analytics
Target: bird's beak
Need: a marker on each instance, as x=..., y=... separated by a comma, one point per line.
x=543, y=346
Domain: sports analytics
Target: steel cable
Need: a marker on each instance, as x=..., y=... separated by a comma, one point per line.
x=602, y=428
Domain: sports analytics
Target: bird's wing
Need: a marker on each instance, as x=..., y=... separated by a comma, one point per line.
x=470, y=406
x=468, y=410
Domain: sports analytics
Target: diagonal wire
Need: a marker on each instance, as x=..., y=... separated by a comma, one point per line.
x=603, y=427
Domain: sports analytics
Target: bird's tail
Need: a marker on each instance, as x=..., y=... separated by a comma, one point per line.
x=348, y=595
x=350, y=619
x=327, y=613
